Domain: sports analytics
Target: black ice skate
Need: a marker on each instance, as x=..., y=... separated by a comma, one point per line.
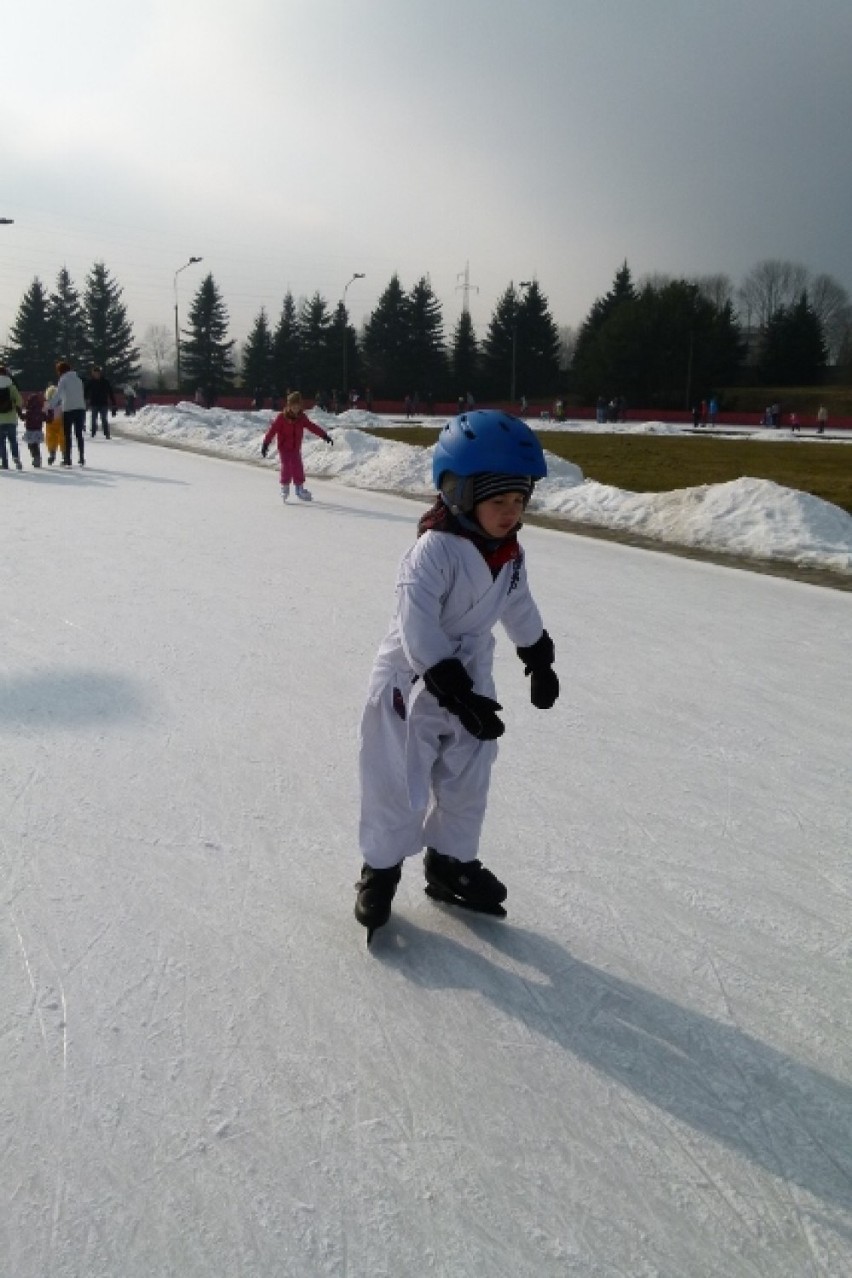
x=376, y=890
x=465, y=883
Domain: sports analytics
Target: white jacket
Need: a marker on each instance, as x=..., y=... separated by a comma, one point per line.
x=69, y=393
x=447, y=606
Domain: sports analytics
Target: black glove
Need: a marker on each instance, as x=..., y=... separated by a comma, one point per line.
x=452, y=687
x=538, y=664
x=264, y=450
x=329, y=440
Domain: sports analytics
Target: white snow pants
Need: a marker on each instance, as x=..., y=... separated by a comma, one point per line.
x=424, y=779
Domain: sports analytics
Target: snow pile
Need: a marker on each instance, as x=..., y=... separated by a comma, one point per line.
x=751, y=517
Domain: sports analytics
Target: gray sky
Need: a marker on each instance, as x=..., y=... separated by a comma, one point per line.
x=291, y=143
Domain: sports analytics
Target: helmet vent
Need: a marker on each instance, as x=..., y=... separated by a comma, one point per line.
x=468, y=433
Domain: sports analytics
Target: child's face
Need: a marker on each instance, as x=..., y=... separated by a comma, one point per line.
x=498, y=515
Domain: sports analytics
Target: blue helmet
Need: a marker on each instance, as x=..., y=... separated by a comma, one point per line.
x=484, y=441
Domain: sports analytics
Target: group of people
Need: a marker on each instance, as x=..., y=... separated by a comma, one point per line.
x=610, y=410
x=57, y=418
x=705, y=412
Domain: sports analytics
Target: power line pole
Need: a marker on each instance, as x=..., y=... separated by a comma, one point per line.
x=466, y=288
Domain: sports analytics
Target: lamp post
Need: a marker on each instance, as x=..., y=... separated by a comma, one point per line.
x=522, y=284
x=359, y=275
x=191, y=262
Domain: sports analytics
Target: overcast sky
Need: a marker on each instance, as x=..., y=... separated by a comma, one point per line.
x=291, y=143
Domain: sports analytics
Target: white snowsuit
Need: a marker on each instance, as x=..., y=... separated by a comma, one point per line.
x=424, y=778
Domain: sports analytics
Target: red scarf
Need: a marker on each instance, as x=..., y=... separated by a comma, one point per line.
x=495, y=552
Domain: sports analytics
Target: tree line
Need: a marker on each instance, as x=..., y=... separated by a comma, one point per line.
x=656, y=342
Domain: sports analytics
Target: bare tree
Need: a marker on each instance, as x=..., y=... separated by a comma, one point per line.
x=769, y=286
x=717, y=289
x=158, y=348
x=567, y=346
x=830, y=303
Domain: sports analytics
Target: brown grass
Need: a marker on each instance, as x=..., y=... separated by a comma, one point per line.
x=658, y=463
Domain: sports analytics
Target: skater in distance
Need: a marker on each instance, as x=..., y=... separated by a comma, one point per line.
x=430, y=726
x=287, y=429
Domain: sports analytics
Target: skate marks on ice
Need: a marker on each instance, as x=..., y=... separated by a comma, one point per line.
x=779, y=1114
x=67, y=699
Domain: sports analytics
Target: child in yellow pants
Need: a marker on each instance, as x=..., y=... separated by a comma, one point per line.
x=53, y=431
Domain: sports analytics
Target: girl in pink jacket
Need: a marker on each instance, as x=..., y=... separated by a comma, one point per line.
x=287, y=430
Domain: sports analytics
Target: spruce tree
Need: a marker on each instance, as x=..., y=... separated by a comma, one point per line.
x=589, y=373
x=386, y=344
x=349, y=354
x=109, y=334
x=257, y=356
x=206, y=351
x=537, y=347
x=465, y=358
x=69, y=325
x=320, y=360
x=31, y=352
x=501, y=347
x=666, y=348
x=426, y=360
x=793, y=349
x=286, y=372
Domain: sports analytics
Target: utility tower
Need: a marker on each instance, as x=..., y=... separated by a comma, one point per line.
x=466, y=287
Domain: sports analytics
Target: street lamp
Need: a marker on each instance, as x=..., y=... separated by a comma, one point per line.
x=191, y=262
x=359, y=275
x=522, y=284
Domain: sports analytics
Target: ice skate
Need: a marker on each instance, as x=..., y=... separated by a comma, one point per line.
x=285, y=491
x=376, y=890
x=465, y=883
x=302, y=493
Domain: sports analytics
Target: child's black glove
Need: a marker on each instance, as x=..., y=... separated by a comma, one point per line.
x=538, y=661
x=452, y=687
x=329, y=440
x=264, y=449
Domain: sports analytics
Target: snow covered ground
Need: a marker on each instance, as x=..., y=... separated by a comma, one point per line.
x=645, y=1070
x=748, y=517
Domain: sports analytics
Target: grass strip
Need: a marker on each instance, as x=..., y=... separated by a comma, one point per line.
x=663, y=463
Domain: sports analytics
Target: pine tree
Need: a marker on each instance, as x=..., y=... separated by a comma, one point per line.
x=465, y=358
x=109, y=334
x=350, y=355
x=426, y=360
x=793, y=348
x=667, y=347
x=69, y=325
x=501, y=346
x=31, y=351
x=286, y=370
x=537, y=347
x=386, y=344
x=589, y=374
x=319, y=357
x=257, y=356
x=206, y=351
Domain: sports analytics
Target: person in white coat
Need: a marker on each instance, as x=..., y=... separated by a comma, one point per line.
x=69, y=399
x=430, y=726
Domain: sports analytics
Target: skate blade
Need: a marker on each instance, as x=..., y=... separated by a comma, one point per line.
x=449, y=898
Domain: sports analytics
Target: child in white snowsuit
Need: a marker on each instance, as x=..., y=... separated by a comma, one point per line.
x=430, y=726
x=288, y=429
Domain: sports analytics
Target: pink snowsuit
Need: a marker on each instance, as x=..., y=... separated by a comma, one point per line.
x=287, y=432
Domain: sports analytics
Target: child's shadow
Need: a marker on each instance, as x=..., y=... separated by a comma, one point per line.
x=788, y=1118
